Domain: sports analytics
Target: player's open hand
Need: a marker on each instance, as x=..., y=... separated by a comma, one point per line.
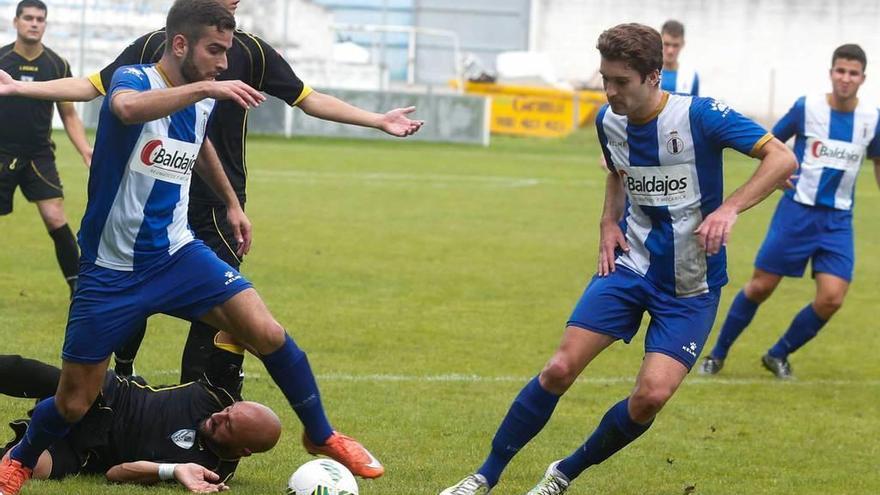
x=237, y=91
x=398, y=124
x=7, y=84
x=241, y=228
x=714, y=232
x=197, y=479
x=610, y=238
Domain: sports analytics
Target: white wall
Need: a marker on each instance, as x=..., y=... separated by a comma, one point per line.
x=734, y=44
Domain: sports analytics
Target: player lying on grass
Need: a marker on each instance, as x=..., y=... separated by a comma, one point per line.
x=194, y=433
x=139, y=257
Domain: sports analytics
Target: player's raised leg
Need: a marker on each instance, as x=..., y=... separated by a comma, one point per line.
x=247, y=318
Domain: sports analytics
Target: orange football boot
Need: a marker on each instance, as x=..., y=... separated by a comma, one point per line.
x=348, y=452
x=13, y=476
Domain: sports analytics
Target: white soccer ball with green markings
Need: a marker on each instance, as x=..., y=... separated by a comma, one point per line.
x=322, y=477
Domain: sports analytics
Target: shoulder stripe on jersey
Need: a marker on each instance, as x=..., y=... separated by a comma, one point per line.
x=54, y=59
x=760, y=144
x=153, y=388
x=250, y=58
x=8, y=50
x=147, y=43
x=262, y=58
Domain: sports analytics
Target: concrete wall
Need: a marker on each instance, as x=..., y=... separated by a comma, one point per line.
x=736, y=45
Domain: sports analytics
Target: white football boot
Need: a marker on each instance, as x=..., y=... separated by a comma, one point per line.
x=553, y=482
x=472, y=484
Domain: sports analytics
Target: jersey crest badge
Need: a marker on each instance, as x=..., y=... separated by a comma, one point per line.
x=674, y=145
x=184, y=439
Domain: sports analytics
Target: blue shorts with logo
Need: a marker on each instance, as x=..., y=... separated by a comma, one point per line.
x=614, y=306
x=799, y=233
x=110, y=304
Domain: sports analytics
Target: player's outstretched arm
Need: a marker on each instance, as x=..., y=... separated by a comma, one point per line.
x=193, y=477
x=211, y=170
x=75, y=130
x=65, y=89
x=137, y=107
x=610, y=235
x=394, y=122
x=777, y=165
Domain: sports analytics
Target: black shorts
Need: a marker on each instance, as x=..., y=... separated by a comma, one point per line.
x=35, y=173
x=210, y=226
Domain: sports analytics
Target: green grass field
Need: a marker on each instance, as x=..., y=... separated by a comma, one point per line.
x=430, y=282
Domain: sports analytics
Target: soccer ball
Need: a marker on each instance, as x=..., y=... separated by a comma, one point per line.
x=322, y=477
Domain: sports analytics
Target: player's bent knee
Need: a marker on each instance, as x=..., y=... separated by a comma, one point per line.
x=558, y=375
x=648, y=400
x=268, y=337
x=72, y=409
x=828, y=305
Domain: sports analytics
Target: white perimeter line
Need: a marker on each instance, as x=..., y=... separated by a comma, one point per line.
x=463, y=378
x=430, y=179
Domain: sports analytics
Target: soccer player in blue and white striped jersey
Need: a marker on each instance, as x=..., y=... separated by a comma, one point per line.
x=662, y=237
x=833, y=134
x=675, y=77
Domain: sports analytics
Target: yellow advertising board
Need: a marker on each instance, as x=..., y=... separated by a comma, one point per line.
x=537, y=111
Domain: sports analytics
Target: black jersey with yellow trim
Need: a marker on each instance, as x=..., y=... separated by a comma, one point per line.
x=167, y=419
x=250, y=59
x=25, y=123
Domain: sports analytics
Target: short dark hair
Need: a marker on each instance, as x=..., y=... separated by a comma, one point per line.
x=191, y=17
x=637, y=45
x=673, y=28
x=23, y=4
x=850, y=51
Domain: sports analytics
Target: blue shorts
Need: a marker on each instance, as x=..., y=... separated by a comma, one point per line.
x=800, y=233
x=109, y=305
x=614, y=306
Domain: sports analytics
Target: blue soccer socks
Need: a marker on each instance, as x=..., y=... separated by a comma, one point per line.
x=46, y=427
x=615, y=431
x=804, y=327
x=527, y=416
x=290, y=369
x=741, y=312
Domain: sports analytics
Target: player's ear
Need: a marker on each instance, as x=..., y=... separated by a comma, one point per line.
x=179, y=45
x=653, y=78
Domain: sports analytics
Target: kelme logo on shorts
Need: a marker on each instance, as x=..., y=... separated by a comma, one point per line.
x=164, y=158
x=658, y=186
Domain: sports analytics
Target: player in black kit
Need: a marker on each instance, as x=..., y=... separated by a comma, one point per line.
x=257, y=63
x=27, y=153
x=139, y=434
